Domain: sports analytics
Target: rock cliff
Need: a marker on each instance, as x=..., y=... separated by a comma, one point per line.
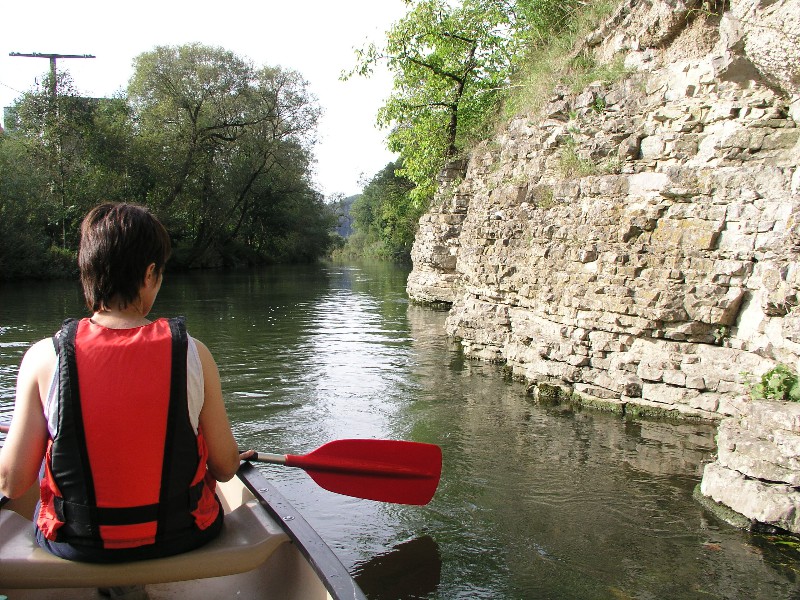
x=636, y=242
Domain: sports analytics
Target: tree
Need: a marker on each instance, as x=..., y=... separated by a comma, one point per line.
x=449, y=63
x=24, y=243
x=219, y=131
x=452, y=63
x=385, y=216
x=77, y=151
x=221, y=150
x=51, y=128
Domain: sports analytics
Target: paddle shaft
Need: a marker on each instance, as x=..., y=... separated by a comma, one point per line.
x=383, y=470
x=266, y=457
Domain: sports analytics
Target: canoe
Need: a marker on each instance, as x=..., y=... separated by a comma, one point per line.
x=266, y=550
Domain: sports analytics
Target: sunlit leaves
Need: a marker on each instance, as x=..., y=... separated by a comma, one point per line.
x=449, y=61
x=452, y=63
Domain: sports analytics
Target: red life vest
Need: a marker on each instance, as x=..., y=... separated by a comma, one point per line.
x=125, y=468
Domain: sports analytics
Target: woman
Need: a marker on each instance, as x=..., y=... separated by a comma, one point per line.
x=127, y=414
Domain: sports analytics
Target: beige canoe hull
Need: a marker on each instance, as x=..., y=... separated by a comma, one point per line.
x=254, y=557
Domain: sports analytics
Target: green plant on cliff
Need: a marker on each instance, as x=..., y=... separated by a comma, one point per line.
x=571, y=163
x=544, y=196
x=779, y=383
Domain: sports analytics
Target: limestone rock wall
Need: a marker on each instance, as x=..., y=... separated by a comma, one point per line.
x=637, y=241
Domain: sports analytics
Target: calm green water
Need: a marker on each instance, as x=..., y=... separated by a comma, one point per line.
x=535, y=502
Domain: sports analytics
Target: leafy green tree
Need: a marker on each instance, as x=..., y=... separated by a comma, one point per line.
x=287, y=220
x=449, y=62
x=24, y=242
x=52, y=129
x=223, y=138
x=221, y=150
x=453, y=63
x=76, y=151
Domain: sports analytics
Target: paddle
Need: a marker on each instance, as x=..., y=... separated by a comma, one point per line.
x=384, y=470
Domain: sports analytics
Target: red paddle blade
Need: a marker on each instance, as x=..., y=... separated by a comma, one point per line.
x=383, y=470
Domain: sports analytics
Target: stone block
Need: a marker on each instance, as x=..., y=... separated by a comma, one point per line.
x=652, y=148
x=708, y=402
x=781, y=139
x=773, y=504
x=646, y=184
x=595, y=391
x=695, y=382
x=673, y=377
x=664, y=394
x=765, y=415
x=757, y=456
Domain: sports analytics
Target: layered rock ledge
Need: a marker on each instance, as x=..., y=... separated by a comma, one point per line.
x=757, y=471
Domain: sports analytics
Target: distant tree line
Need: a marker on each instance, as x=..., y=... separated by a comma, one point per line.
x=219, y=149
x=384, y=218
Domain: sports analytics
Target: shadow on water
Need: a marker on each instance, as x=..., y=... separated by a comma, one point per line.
x=410, y=570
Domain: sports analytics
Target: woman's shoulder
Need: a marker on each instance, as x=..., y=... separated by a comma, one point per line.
x=43, y=349
x=40, y=359
x=201, y=347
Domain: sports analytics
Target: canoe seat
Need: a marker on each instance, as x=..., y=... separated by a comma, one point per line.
x=248, y=537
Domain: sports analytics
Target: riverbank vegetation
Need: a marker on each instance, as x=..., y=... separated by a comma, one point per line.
x=463, y=68
x=383, y=218
x=219, y=149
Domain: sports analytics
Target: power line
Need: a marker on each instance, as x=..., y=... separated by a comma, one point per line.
x=11, y=88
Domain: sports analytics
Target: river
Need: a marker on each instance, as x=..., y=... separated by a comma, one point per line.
x=535, y=501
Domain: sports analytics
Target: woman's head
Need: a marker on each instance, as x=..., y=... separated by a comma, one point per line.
x=118, y=243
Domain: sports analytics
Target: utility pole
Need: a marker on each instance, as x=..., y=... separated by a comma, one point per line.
x=53, y=58
x=59, y=181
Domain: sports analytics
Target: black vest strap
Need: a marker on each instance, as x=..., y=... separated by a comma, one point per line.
x=72, y=449
x=179, y=437
x=79, y=515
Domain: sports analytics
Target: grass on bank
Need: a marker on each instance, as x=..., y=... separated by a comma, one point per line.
x=558, y=60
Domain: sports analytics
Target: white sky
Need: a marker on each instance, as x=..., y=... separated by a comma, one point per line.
x=315, y=37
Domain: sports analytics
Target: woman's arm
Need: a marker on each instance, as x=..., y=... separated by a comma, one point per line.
x=223, y=455
x=23, y=451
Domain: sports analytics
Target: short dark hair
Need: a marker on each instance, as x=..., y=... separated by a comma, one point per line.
x=118, y=242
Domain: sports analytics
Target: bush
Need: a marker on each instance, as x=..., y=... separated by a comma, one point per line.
x=779, y=383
